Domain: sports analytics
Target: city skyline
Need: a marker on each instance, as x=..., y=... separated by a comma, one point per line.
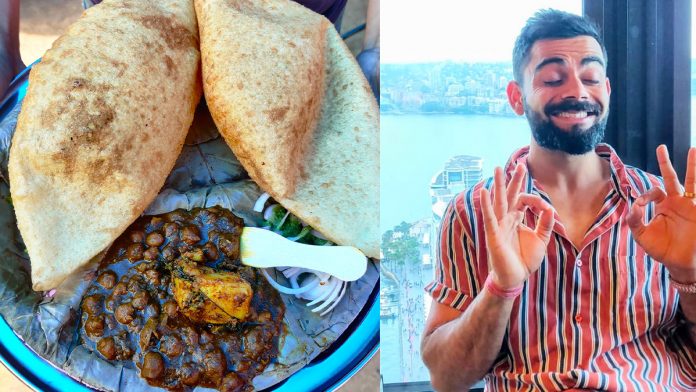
x=441, y=30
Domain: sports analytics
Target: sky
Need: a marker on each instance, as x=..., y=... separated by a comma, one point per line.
x=414, y=31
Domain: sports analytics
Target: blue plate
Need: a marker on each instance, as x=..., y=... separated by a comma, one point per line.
x=328, y=371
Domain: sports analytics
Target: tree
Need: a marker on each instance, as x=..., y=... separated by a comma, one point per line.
x=399, y=247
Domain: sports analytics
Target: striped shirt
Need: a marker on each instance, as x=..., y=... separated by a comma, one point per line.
x=602, y=317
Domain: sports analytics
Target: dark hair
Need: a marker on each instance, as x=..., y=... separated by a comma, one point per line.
x=550, y=24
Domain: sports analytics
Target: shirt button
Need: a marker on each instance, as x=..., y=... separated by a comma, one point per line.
x=578, y=318
x=578, y=262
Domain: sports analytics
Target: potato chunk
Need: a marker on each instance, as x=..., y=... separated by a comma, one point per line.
x=211, y=297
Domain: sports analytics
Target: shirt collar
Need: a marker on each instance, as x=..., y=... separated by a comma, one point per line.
x=619, y=178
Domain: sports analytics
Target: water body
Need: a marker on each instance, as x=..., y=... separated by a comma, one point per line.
x=413, y=148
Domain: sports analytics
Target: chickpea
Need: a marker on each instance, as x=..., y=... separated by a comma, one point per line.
x=140, y=300
x=171, y=346
x=151, y=253
x=134, y=252
x=124, y=313
x=154, y=239
x=153, y=276
x=153, y=366
x=190, y=374
x=190, y=235
x=120, y=289
x=178, y=216
x=210, y=251
x=229, y=247
x=169, y=253
x=156, y=223
x=137, y=236
x=243, y=366
x=184, y=248
x=170, y=308
x=142, y=267
x=92, y=304
x=213, y=236
x=107, y=348
x=171, y=230
x=135, y=284
x=107, y=279
x=215, y=365
x=231, y=383
x=190, y=336
x=94, y=326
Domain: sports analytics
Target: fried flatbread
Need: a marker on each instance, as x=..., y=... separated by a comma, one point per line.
x=104, y=119
x=292, y=103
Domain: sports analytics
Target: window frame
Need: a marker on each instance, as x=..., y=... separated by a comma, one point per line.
x=649, y=48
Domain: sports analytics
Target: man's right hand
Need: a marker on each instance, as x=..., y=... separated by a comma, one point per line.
x=515, y=251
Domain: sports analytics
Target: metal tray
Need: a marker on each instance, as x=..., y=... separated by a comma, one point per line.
x=328, y=371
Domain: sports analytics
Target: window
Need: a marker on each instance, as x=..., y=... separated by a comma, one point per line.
x=649, y=68
x=445, y=125
x=692, y=77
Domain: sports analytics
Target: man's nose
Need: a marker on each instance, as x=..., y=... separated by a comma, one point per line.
x=575, y=88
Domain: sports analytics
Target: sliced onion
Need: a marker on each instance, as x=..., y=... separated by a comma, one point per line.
x=313, y=283
x=282, y=221
x=327, y=289
x=268, y=212
x=258, y=206
x=331, y=298
x=337, y=300
x=306, y=230
x=317, y=292
x=293, y=282
x=283, y=289
x=319, y=235
x=290, y=271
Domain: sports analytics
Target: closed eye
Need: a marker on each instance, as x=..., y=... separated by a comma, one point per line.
x=553, y=82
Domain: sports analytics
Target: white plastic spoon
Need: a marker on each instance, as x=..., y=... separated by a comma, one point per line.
x=262, y=248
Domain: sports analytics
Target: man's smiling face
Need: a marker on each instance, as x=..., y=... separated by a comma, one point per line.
x=564, y=94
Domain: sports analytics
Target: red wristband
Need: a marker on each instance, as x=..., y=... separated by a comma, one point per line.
x=500, y=292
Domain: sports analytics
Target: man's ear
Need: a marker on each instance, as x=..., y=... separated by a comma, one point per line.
x=514, y=94
x=608, y=87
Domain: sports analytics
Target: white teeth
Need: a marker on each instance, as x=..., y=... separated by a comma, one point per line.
x=572, y=114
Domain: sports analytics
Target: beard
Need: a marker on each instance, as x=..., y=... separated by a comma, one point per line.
x=576, y=141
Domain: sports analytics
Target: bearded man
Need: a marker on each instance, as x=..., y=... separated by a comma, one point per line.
x=568, y=270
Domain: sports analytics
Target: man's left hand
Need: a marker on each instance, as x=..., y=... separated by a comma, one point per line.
x=670, y=237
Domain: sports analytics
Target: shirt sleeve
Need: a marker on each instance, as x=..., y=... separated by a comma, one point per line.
x=456, y=280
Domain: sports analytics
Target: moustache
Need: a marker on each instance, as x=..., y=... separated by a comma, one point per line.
x=573, y=106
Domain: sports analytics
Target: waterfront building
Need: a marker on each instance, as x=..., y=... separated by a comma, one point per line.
x=459, y=173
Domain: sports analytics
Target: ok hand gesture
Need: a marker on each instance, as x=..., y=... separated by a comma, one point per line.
x=514, y=250
x=670, y=237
